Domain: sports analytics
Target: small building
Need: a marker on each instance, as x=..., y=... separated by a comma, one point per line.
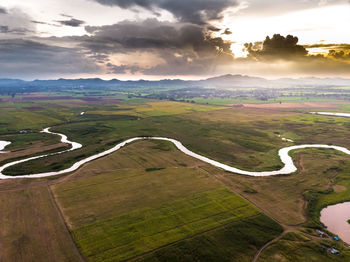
x=333, y=251
x=321, y=233
x=336, y=238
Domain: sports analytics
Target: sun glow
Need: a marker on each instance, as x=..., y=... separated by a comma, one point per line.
x=238, y=50
x=328, y=24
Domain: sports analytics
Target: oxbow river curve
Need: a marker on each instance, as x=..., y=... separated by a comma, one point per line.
x=288, y=168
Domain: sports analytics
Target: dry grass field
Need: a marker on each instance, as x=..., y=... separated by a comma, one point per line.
x=31, y=228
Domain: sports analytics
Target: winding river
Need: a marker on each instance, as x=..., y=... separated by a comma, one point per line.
x=3, y=144
x=334, y=217
x=64, y=139
x=331, y=114
x=288, y=168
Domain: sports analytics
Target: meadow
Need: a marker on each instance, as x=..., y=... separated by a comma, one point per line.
x=111, y=205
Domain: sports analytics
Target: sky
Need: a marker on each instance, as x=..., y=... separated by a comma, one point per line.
x=188, y=39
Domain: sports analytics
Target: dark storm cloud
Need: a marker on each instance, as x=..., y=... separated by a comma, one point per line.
x=3, y=10
x=180, y=45
x=277, y=47
x=153, y=34
x=72, y=22
x=34, y=59
x=195, y=11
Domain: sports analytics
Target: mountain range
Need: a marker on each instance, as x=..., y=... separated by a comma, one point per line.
x=224, y=81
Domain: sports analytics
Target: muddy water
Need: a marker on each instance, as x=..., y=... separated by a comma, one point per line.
x=336, y=218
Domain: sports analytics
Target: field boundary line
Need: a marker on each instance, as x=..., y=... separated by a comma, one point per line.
x=61, y=217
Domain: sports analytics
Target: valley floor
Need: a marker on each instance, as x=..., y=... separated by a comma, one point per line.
x=150, y=202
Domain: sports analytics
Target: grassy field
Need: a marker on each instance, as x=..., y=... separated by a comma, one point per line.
x=136, y=209
x=228, y=243
x=156, y=109
x=230, y=101
x=246, y=145
x=134, y=233
x=287, y=203
x=111, y=205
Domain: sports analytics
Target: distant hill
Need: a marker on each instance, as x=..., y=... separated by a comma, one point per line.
x=235, y=81
x=225, y=81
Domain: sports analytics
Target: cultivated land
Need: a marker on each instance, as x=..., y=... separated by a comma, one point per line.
x=137, y=209
x=150, y=202
x=31, y=228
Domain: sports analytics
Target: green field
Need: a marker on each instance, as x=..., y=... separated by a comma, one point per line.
x=134, y=211
x=301, y=248
x=228, y=243
x=137, y=232
x=151, y=202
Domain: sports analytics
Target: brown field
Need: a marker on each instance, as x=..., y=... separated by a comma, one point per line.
x=31, y=228
x=242, y=115
x=330, y=105
x=40, y=97
x=33, y=108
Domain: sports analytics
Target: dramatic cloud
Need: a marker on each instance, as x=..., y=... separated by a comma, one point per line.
x=169, y=37
x=282, y=56
x=338, y=54
x=277, y=47
x=34, y=59
x=181, y=45
x=15, y=22
x=195, y=11
x=72, y=22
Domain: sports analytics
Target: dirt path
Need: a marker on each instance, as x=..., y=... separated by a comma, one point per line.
x=257, y=255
